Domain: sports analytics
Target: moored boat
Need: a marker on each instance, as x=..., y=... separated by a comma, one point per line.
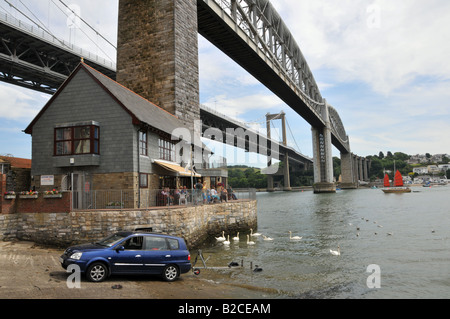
x=398, y=185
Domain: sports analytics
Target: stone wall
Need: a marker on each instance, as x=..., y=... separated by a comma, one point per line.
x=195, y=224
x=157, y=54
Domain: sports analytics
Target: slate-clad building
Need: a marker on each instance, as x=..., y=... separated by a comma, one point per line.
x=95, y=134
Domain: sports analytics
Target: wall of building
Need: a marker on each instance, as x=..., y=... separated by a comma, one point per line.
x=194, y=224
x=75, y=105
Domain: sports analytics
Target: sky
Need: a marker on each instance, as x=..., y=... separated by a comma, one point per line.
x=383, y=65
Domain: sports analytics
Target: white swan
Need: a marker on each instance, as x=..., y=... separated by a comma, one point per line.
x=255, y=234
x=221, y=238
x=295, y=237
x=236, y=238
x=227, y=242
x=267, y=238
x=249, y=242
x=336, y=252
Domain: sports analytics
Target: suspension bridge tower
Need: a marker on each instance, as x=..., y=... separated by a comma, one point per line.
x=287, y=182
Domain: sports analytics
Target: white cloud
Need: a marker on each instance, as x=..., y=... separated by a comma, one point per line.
x=16, y=103
x=412, y=40
x=234, y=107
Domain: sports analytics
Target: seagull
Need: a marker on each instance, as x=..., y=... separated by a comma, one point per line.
x=336, y=252
x=236, y=238
x=295, y=237
x=255, y=234
x=267, y=238
x=221, y=238
x=249, y=242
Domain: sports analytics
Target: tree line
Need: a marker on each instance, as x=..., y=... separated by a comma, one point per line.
x=242, y=176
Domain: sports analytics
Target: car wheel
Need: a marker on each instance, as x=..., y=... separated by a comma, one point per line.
x=171, y=273
x=97, y=272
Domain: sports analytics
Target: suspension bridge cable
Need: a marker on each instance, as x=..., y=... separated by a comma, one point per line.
x=98, y=33
x=42, y=24
x=298, y=148
x=34, y=22
x=83, y=32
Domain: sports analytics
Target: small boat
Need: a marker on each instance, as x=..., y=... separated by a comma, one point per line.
x=398, y=185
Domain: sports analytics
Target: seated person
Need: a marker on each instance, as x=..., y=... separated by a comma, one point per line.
x=224, y=195
x=214, y=195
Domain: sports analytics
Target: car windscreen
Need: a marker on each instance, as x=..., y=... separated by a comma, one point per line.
x=111, y=240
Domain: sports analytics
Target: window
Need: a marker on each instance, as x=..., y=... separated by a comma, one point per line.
x=143, y=145
x=155, y=243
x=134, y=243
x=166, y=150
x=77, y=140
x=143, y=180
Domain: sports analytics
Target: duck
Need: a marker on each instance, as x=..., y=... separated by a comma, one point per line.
x=236, y=238
x=249, y=242
x=227, y=242
x=267, y=238
x=221, y=238
x=295, y=237
x=254, y=234
x=336, y=252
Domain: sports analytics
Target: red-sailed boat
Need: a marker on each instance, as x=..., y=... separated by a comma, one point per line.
x=398, y=184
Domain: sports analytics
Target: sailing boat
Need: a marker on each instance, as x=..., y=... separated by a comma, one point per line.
x=398, y=184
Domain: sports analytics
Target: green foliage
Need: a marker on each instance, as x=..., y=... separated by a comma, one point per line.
x=381, y=163
x=245, y=177
x=249, y=177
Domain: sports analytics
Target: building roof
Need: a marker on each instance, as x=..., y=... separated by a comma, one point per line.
x=16, y=162
x=141, y=110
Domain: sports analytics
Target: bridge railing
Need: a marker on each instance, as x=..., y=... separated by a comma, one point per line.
x=278, y=45
x=45, y=35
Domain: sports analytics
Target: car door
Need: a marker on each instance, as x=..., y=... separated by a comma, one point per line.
x=156, y=254
x=130, y=259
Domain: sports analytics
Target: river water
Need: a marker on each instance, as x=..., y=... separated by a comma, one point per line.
x=392, y=246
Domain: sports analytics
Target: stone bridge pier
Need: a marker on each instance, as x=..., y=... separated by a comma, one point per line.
x=323, y=158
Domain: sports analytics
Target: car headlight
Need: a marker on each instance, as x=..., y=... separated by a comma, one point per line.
x=76, y=256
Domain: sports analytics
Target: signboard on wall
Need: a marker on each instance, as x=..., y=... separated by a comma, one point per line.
x=47, y=180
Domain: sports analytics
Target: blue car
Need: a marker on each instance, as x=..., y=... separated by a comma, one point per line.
x=130, y=253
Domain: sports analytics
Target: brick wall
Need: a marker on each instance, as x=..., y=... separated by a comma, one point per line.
x=41, y=204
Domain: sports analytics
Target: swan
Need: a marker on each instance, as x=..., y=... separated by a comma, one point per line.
x=221, y=238
x=267, y=238
x=295, y=237
x=249, y=242
x=255, y=234
x=237, y=237
x=336, y=252
x=227, y=242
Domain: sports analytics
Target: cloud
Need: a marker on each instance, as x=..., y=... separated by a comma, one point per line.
x=411, y=39
x=17, y=104
x=236, y=106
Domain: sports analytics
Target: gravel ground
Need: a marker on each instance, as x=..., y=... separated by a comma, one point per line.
x=30, y=271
